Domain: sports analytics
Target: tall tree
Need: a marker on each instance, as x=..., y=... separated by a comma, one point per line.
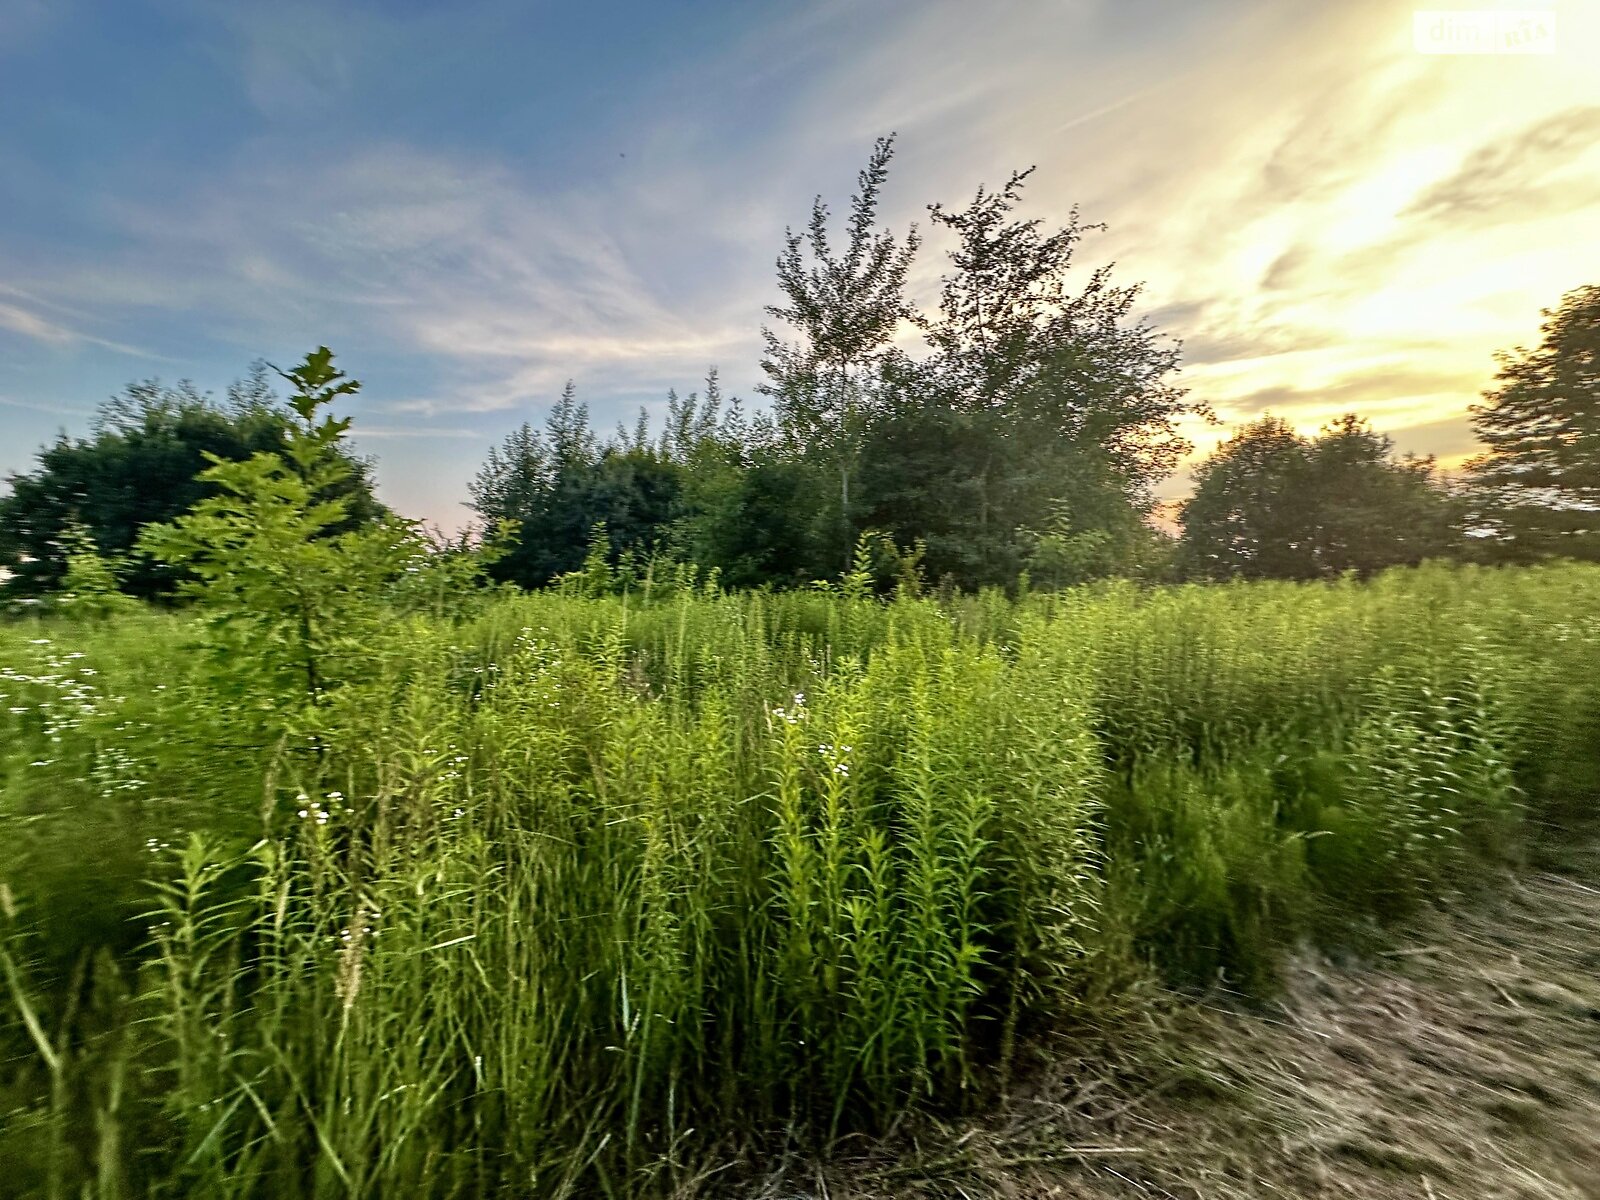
x=844, y=309
x=691, y=421
x=749, y=517
x=1065, y=365
x=1536, y=490
x=1043, y=408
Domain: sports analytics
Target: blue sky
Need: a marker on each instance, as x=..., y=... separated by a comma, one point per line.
x=474, y=201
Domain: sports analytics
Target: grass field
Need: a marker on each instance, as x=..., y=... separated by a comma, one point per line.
x=579, y=896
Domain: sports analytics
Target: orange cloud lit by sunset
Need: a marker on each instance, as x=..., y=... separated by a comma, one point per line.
x=1353, y=226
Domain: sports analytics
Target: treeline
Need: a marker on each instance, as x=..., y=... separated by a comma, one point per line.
x=1270, y=503
x=1012, y=431
x=1018, y=425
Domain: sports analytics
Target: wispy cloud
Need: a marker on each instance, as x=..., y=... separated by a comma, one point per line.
x=15, y=318
x=1552, y=163
x=65, y=410
x=19, y=320
x=1328, y=220
x=510, y=290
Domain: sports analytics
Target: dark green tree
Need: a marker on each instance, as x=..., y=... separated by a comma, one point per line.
x=953, y=480
x=558, y=484
x=1536, y=490
x=752, y=518
x=635, y=493
x=142, y=465
x=1378, y=509
x=748, y=506
x=1043, y=410
x=715, y=489
x=1250, y=514
x=542, y=480
x=1272, y=504
x=516, y=479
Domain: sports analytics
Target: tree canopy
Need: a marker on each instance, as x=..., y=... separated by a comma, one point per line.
x=1019, y=424
x=142, y=464
x=1035, y=401
x=1537, y=486
x=1271, y=503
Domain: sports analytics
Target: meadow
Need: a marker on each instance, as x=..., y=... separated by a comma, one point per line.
x=561, y=894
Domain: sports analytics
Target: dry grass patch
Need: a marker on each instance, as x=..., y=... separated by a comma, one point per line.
x=1464, y=1064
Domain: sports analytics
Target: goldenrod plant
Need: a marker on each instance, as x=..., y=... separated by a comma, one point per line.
x=578, y=888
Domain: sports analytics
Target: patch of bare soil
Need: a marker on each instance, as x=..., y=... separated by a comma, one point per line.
x=1463, y=1064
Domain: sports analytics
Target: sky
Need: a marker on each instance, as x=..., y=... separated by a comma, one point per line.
x=472, y=201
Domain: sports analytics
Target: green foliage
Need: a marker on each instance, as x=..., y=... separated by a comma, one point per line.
x=1066, y=368
x=1205, y=872
x=1271, y=504
x=750, y=515
x=287, y=598
x=1025, y=434
x=1536, y=491
x=142, y=465
x=449, y=577
x=559, y=483
x=1073, y=550
x=89, y=585
x=1033, y=395
x=579, y=886
x=843, y=309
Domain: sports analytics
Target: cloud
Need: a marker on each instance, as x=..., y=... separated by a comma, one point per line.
x=1525, y=175
x=1392, y=393
x=31, y=325
x=294, y=60
x=1327, y=219
x=509, y=290
x=52, y=409
x=19, y=320
x=1328, y=141
x=1289, y=269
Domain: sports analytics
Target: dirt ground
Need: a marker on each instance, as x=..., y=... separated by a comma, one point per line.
x=1463, y=1063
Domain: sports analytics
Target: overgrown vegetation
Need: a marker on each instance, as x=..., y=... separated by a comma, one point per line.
x=1013, y=432
x=357, y=877
x=143, y=464
x=573, y=894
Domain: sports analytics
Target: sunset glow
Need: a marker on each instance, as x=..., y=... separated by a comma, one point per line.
x=1330, y=220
